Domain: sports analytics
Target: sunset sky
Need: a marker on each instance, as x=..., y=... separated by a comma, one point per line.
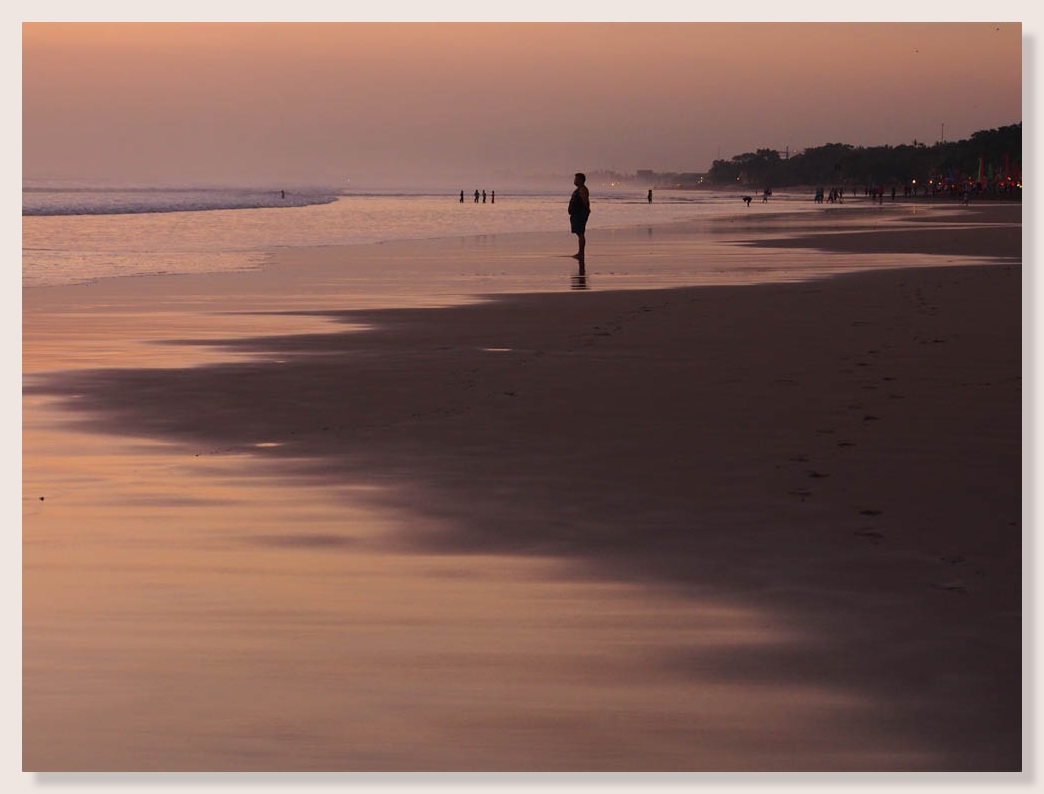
x=403, y=104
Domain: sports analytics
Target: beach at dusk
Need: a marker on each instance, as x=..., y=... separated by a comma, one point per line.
x=717, y=528
x=352, y=461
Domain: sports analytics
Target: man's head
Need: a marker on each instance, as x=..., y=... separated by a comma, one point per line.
x=579, y=179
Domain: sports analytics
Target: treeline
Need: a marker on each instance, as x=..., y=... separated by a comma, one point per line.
x=990, y=158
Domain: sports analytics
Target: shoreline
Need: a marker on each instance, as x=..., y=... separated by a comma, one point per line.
x=841, y=455
x=857, y=215
x=626, y=244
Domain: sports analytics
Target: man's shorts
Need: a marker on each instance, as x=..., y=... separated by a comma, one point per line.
x=578, y=223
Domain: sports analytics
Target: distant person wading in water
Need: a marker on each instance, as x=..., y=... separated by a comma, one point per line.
x=579, y=212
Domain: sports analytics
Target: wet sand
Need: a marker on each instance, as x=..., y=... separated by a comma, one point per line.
x=769, y=527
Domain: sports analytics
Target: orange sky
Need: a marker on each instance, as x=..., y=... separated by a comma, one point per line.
x=403, y=102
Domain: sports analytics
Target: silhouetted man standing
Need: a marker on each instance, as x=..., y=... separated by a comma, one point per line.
x=579, y=212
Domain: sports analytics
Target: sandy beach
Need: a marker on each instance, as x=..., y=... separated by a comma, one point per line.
x=271, y=524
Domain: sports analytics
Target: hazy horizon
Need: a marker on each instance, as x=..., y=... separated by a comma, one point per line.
x=466, y=105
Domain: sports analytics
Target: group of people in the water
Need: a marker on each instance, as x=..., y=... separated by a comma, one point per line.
x=492, y=197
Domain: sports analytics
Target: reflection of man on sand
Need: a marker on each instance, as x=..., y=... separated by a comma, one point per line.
x=579, y=212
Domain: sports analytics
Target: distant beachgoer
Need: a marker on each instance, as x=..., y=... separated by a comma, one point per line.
x=462, y=197
x=650, y=196
x=476, y=197
x=579, y=212
x=748, y=199
x=493, y=197
x=282, y=194
x=483, y=196
x=764, y=196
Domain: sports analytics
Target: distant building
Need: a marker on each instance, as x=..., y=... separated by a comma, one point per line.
x=678, y=181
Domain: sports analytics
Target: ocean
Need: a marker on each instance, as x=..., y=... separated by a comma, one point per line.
x=80, y=233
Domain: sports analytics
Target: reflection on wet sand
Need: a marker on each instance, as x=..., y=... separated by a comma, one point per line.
x=205, y=613
x=541, y=533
